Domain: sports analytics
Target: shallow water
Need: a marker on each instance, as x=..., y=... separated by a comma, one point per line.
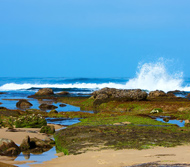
x=180, y=123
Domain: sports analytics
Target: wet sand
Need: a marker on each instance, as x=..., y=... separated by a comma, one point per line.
x=121, y=158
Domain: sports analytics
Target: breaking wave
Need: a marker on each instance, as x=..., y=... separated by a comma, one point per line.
x=150, y=76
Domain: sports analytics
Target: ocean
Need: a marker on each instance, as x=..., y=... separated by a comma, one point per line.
x=149, y=77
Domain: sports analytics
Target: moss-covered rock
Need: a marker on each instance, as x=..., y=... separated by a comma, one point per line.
x=30, y=121
x=8, y=147
x=49, y=129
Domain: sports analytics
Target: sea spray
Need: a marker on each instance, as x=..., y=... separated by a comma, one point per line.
x=155, y=76
x=150, y=76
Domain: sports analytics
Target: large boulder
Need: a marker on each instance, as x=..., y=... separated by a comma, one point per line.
x=157, y=93
x=47, y=107
x=44, y=92
x=110, y=94
x=35, y=145
x=23, y=104
x=8, y=147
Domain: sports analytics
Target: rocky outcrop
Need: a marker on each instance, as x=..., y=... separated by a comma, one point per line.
x=8, y=147
x=44, y=92
x=47, y=107
x=157, y=93
x=110, y=94
x=35, y=145
x=23, y=104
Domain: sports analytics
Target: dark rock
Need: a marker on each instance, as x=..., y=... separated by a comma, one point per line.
x=8, y=147
x=25, y=145
x=63, y=93
x=35, y=145
x=109, y=94
x=23, y=104
x=49, y=129
x=157, y=93
x=2, y=93
x=62, y=105
x=53, y=112
x=40, y=143
x=44, y=92
x=47, y=107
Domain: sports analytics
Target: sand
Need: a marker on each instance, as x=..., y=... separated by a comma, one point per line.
x=104, y=158
x=120, y=158
x=17, y=137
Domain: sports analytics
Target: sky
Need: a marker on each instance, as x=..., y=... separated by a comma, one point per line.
x=91, y=38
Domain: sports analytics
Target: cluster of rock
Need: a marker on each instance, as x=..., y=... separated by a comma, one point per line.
x=9, y=148
x=23, y=104
x=160, y=93
x=110, y=94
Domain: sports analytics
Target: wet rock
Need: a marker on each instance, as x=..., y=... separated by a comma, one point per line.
x=25, y=145
x=63, y=93
x=40, y=143
x=53, y=112
x=44, y=92
x=109, y=94
x=49, y=129
x=62, y=105
x=35, y=145
x=157, y=93
x=23, y=104
x=8, y=147
x=47, y=107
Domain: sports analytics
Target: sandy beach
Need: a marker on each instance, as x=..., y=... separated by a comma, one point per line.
x=18, y=136
x=120, y=158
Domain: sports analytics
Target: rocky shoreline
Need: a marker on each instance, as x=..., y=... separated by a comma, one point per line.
x=122, y=119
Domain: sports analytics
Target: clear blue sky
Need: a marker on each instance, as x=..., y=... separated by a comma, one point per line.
x=91, y=38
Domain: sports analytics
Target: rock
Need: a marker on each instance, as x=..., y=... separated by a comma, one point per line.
x=40, y=143
x=23, y=104
x=49, y=129
x=53, y=112
x=157, y=93
x=25, y=145
x=44, y=92
x=8, y=147
x=47, y=107
x=63, y=93
x=62, y=105
x=109, y=94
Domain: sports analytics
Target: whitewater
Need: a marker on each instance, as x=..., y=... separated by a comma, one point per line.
x=149, y=76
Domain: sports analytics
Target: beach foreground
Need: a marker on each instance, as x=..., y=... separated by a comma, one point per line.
x=120, y=158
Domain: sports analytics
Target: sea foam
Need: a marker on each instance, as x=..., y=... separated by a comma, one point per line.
x=149, y=76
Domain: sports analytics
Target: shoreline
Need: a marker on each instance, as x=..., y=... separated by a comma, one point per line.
x=17, y=137
x=125, y=157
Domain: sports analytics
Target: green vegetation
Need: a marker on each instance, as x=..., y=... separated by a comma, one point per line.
x=30, y=121
x=47, y=129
